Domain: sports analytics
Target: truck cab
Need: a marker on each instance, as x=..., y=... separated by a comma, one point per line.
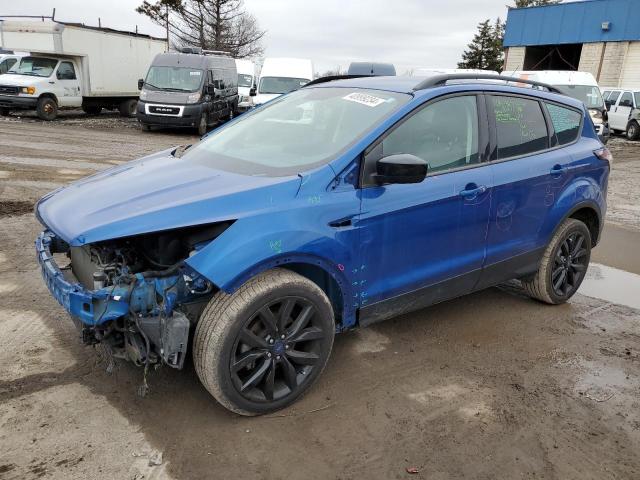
x=193, y=88
x=43, y=83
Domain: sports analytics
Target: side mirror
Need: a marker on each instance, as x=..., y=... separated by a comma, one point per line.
x=253, y=91
x=140, y=84
x=400, y=168
x=209, y=90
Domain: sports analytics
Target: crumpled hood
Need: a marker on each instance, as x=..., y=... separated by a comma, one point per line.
x=155, y=193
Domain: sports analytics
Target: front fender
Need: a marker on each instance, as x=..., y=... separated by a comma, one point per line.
x=300, y=234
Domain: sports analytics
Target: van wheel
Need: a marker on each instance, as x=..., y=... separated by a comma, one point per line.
x=47, y=108
x=633, y=131
x=4, y=112
x=92, y=109
x=128, y=108
x=259, y=349
x=564, y=264
x=202, y=125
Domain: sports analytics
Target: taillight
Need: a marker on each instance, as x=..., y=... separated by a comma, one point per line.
x=604, y=154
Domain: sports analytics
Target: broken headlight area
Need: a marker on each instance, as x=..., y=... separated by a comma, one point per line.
x=137, y=296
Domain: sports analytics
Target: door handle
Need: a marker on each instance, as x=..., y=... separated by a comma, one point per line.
x=471, y=191
x=558, y=170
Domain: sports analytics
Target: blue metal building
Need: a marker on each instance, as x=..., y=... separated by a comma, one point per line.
x=597, y=36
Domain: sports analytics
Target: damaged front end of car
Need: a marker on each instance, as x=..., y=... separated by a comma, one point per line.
x=135, y=295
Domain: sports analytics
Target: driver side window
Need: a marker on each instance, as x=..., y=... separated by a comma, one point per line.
x=444, y=134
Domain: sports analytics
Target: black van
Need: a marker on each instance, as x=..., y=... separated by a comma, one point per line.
x=193, y=88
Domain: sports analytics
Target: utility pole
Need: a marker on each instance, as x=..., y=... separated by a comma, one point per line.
x=167, y=19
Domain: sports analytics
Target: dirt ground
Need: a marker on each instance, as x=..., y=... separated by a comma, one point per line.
x=488, y=386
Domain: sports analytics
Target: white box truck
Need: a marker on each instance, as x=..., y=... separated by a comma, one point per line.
x=72, y=65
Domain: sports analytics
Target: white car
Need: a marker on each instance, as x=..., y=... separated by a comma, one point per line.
x=282, y=75
x=624, y=111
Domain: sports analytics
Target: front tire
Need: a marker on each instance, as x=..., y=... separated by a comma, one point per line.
x=47, y=108
x=563, y=265
x=258, y=350
x=633, y=131
x=202, y=125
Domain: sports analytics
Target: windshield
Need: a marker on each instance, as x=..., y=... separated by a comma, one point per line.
x=296, y=132
x=174, y=79
x=245, y=80
x=34, y=66
x=587, y=94
x=279, y=85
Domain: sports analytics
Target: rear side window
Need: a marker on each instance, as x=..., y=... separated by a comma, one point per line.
x=565, y=121
x=520, y=126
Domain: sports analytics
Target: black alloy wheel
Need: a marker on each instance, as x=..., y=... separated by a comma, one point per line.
x=277, y=350
x=569, y=265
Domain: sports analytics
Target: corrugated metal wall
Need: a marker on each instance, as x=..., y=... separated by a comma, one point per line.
x=573, y=22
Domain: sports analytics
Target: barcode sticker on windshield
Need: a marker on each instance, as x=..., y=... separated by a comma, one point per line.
x=364, y=99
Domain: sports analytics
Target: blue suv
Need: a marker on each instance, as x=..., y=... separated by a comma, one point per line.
x=339, y=205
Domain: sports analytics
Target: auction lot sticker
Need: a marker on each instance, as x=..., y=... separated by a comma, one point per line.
x=364, y=99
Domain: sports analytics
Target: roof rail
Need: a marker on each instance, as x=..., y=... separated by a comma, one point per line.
x=440, y=80
x=331, y=78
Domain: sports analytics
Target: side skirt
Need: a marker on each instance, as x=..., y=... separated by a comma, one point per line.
x=514, y=267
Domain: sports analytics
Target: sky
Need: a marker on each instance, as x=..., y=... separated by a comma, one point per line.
x=408, y=33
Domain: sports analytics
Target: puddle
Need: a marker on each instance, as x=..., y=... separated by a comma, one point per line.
x=612, y=285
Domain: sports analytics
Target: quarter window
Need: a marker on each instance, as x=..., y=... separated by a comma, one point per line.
x=520, y=126
x=566, y=123
x=444, y=134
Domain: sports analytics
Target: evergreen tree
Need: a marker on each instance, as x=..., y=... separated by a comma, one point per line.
x=485, y=50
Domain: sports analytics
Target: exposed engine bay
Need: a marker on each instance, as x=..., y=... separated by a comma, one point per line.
x=150, y=296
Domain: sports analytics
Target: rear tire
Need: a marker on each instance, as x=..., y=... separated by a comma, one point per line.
x=128, y=108
x=563, y=265
x=259, y=349
x=633, y=130
x=92, y=109
x=47, y=108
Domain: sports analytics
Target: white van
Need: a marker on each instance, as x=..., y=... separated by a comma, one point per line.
x=579, y=85
x=8, y=59
x=623, y=105
x=282, y=75
x=246, y=81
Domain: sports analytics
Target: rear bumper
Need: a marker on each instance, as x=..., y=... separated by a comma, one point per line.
x=189, y=116
x=18, y=103
x=90, y=307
